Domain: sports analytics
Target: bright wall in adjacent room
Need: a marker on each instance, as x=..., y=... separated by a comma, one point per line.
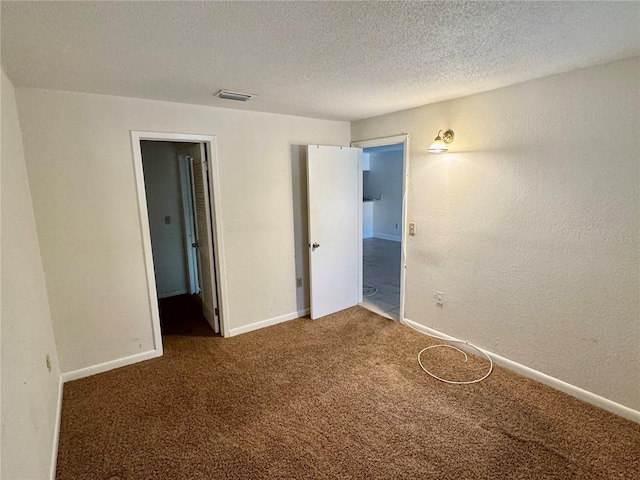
x=530, y=224
x=385, y=177
x=164, y=199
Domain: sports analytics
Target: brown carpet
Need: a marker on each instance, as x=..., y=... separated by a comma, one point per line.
x=340, y=397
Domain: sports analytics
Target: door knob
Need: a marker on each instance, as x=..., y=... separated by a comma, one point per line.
x=314, y=246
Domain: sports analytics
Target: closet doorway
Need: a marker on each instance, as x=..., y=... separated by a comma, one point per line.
x=179, y=213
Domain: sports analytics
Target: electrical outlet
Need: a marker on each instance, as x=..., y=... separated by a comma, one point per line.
x=167, y=220
x=439, y=298
x=298, y=282
x=412, y=228
x=396, y=226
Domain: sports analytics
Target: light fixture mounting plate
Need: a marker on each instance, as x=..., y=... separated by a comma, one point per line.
x=448, y=136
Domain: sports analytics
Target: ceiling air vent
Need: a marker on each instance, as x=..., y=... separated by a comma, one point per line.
x=240, y=97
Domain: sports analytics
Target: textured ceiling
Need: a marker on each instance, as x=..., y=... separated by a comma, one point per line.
x=335, y=60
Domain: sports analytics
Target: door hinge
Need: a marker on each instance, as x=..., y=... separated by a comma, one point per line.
x=216, y=311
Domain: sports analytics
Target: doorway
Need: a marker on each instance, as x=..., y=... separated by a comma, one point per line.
x=384, y=170
x=171, y=213
x=178, y=202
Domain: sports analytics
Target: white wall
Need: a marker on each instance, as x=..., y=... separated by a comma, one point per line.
x=530, y=224
x=30, y=392
x=79, y=156
x=367, y=219
x=385, y=177
x=164, y=198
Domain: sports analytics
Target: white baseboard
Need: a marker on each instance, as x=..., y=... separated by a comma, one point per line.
x=577, y=392
x=384, y=236
x=268, y=322
x=173, y=293
x=110, y=365
x=56, y=432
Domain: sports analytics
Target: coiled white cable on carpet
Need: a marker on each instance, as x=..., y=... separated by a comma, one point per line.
x=454, y=382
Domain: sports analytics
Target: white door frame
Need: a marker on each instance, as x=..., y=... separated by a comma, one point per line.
x=209, y=142
x=392, y=140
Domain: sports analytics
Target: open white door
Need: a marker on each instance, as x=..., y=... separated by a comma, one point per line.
x=334, y=183
x=204, y=236
x=188, y=215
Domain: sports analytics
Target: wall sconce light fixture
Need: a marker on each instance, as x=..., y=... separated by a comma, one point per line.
x=440, y=143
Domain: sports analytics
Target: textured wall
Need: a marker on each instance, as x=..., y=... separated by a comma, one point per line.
x=29, y=389
x=530, y=224
x=164, y=198
x=78, y=149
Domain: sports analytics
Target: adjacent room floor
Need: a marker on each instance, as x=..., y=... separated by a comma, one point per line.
x=182, y=315
x=341, y=397
x=381, y=276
